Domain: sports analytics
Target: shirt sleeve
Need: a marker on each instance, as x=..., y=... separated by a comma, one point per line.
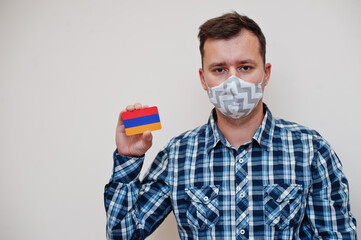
x=134, y=209
x=328, y=208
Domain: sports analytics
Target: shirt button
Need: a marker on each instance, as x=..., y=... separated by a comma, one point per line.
x=242, y=231
x=241, y=160
x=205, y=198
x=242, y=195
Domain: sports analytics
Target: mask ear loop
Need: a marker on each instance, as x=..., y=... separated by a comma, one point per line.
x=204, y=78
x=263, y=73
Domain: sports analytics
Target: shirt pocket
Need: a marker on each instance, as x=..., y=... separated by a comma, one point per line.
x=202, y=206
x=283, y=205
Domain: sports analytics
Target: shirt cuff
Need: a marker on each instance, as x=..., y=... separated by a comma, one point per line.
x=126, y=169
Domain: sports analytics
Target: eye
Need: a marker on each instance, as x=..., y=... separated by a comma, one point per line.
x=245, y=68
x=219, y=70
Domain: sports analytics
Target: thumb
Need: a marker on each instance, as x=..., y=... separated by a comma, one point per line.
x=147, y=139
x=147, y=136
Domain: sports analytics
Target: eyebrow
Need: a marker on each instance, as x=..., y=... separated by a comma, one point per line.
x=248, y=61
x=212, y=65
x=219, y=64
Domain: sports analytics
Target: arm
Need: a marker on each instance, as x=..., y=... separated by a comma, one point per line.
x=328, y=207
x=135, y=209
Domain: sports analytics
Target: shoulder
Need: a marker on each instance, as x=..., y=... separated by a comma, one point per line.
x=295, y=131
x=295, y=128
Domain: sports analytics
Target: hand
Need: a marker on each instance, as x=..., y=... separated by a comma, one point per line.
x=135, y=145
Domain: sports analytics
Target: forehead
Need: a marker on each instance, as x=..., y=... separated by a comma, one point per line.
x=245, y=45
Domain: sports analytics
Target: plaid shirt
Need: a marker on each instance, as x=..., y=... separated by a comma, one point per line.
x=287, y=183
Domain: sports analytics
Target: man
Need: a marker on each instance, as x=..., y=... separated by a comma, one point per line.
x=244, y=174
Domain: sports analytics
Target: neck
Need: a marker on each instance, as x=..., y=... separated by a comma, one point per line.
x=240, y=131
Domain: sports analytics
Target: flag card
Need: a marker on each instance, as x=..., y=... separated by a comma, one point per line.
x=141, y=120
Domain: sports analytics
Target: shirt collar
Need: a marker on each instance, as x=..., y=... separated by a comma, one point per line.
x=214, y=135
x=263, y=135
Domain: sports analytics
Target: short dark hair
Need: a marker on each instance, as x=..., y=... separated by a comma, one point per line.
x=227, y=26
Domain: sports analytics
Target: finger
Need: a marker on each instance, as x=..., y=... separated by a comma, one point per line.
x=147, y=137
x=147, y=134
x=138, y=106
x=130, y=108
x=145, y=106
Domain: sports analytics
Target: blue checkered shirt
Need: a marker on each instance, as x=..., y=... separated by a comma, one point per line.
x=287, y=183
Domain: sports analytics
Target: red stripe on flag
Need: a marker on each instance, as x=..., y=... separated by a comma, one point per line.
x=139, y=113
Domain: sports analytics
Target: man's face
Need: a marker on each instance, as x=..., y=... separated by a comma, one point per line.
x=239, y=56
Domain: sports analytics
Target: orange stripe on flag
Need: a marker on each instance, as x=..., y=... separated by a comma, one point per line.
x=143, y=128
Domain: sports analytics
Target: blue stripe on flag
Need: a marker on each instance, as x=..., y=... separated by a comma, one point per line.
x=135, y=122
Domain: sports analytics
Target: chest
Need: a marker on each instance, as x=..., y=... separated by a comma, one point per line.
x=250, y=185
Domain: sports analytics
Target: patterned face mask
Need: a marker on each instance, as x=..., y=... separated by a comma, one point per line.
x=235, y=97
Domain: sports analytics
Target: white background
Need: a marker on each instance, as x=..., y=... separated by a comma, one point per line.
x=68, y=67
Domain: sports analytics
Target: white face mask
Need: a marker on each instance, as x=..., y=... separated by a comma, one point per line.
x=235, y=97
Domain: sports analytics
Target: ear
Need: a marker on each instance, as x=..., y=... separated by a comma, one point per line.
x=267, y=74
x=203, y=82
